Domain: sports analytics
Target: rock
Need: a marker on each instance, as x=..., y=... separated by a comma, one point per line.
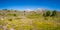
x=4, y=27
x=12, y=29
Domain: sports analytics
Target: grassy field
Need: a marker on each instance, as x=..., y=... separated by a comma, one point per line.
x=16, y=20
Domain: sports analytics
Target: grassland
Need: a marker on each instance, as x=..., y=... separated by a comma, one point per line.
x=17, y=20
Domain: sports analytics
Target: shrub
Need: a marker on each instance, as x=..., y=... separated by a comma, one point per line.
x=48, y=13
x=44, y=14
x=54, y=13
x=14, y=14
x=10, y=19
x=46, y=18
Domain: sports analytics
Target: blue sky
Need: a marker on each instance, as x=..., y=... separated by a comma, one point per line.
x=30, y=4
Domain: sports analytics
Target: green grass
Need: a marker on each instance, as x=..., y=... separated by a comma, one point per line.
x=45, y=25
x=33, y=16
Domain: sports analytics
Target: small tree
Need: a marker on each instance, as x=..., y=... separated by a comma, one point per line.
x=54, y=13
x=48, y=13
x=24, y=12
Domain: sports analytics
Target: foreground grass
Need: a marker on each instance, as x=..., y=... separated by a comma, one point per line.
x=36, y=25
x=46, y=25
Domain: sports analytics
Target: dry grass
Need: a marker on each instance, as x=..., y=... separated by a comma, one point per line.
x=29, y=21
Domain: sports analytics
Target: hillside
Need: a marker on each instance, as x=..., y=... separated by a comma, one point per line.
x=28, y=20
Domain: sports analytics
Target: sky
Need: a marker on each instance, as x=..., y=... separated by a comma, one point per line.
x=30, y=4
